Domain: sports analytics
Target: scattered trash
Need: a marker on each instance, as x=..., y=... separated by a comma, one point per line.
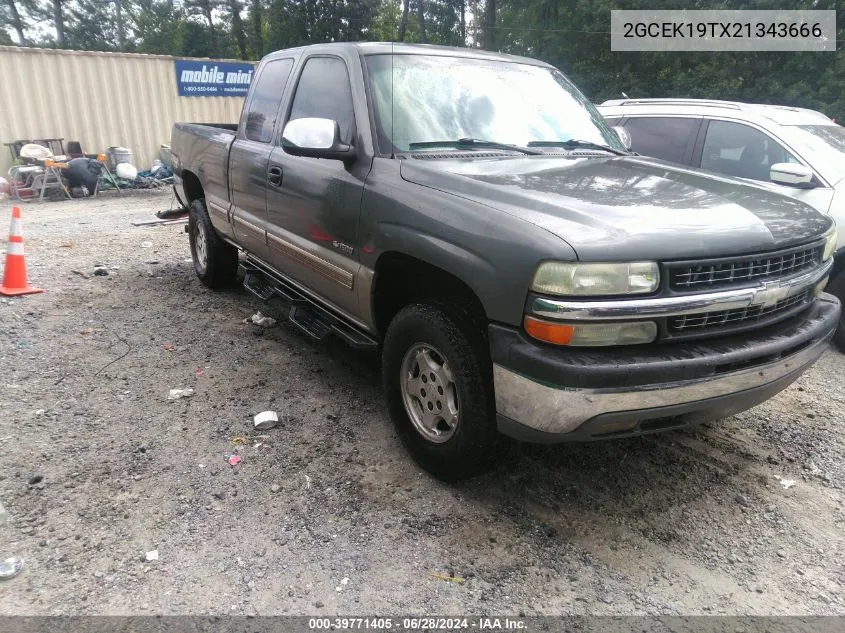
x=786, y=483
x=175, y=394
x=101, y=271
x=151, y=261
x=152, y=555
x=35, y=479
x=168, y=347
x=342, y=584
x=66, y=246
x=233, y=460
x=266, y=420
x=146, y=244
x=445, y=577
x=260, y=319
x=307, y=482
x=200, y=372
x=11, y=567
x=275, y=488
x=81, y=274
x=239, y=440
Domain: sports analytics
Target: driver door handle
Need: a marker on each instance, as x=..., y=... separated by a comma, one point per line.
x=274, y=176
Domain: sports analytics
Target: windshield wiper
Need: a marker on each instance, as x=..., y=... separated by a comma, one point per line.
x=472, y=142
x=575, y=143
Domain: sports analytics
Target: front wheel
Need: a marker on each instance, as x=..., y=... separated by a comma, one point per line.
x=438, y=381
x=837, y=288
x=215, y=261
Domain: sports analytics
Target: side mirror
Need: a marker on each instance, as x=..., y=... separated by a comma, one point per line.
x=315, y=138
x=623, y=135
x=792, y=175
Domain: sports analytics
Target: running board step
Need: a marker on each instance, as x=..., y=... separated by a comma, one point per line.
x=305, y=313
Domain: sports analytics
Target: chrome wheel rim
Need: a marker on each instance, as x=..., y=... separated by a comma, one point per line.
x=429, y=393
x=201, y=247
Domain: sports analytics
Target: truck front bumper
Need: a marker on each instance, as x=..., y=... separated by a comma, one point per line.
x=552, y=394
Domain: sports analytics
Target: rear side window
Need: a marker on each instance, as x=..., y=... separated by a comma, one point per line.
x=323, y=92
x=666, y=138
x=265, y=100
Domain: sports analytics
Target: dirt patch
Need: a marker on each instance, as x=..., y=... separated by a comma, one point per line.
x=693, y=522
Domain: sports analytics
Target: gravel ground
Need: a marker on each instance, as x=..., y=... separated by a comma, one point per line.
x=326, y=514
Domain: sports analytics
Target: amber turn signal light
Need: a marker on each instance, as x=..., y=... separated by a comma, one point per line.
x=548, y=331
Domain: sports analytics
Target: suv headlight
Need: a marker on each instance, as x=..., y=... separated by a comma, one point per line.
x=829, y=244
x=590, y=278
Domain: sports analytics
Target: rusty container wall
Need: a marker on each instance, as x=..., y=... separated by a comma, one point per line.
x=98, y=99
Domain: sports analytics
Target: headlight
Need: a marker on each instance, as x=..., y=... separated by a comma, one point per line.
x=581, y=279
x=591, y=334
x=829, y=244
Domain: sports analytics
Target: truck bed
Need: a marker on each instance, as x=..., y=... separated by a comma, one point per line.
x=205, y=146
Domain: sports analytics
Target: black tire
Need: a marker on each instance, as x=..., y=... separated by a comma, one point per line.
x=450, y=329
x=217, y=267
x=837, y=287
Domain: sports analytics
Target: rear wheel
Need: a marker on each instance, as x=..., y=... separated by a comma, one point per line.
x=215, y=261
x=438, y=380
x=837, y=287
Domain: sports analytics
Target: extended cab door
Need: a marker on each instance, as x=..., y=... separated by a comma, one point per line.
x=314, y=206
x=250, y=153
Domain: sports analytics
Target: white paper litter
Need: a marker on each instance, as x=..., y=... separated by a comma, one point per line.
x=152, y=555
x=266, y=420
x=175, y=394
x=264, y=321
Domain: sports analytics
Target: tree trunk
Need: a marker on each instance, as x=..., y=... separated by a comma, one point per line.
x=476, y=23
x=207, y=12
x=490, y=25
x=258, y=28
x=17, y=23
x=403, y=23
x=118, y=19
x=421, y=13
x=238, y=31
x=59, y=23
x=463, y=23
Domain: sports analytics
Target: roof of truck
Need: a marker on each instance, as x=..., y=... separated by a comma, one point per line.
x=399, y=48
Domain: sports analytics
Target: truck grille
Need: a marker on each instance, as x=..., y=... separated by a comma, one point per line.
x=707, y=321
x=738, y=271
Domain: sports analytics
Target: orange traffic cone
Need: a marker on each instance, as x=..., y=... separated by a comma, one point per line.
x=14, y=275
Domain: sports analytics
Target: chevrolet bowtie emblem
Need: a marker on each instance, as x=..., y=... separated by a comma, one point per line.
x=769, y=295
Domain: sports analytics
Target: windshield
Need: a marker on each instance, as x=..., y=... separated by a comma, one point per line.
x=824, y=137
x=423, y=99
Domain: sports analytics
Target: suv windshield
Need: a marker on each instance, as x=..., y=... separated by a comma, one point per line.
x=426, y=99
x=824, y=137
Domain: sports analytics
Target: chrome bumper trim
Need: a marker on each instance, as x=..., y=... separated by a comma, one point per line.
x=764, y=294
x=554, y=409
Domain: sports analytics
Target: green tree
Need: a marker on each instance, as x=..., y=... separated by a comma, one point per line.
x=159, y=27
x=256, y=37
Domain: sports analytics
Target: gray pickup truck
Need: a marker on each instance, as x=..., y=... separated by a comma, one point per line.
x=472, y=218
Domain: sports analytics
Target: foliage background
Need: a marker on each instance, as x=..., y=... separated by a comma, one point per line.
x=571, y=34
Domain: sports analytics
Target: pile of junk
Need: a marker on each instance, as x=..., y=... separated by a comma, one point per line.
x=44, y=170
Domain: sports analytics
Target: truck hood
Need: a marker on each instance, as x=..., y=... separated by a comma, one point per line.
x=627, y=208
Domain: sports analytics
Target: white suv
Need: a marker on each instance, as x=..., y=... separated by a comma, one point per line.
x=798, y=152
